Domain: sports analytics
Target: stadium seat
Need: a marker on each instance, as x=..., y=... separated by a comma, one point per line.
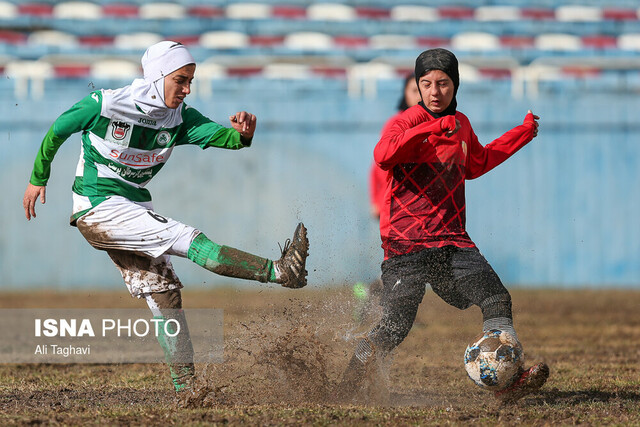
x=71, y=71
x=599, y=42
x=557, y=42
x=210, y=70
x=455, y=12
x=42, y=10
x=157, y=10
x=234, y=65
x=266, y=41
x=244, y=71
x=371, y=12
x=12, y=37
x=497, y=13
x=330, y=12
x=205, y=11
x=136, y=41
x=286, y=71
x=22, y=72
x=8, y=10
x=289, y=12
x=95, y=41
x=351, y=42
x=69, y=65
x=475, y=41
x=481, y=67
x=414, y=13
x=629, y=41
x=188, y=40
x=526, y=80
x=248, y=11
x=577, y=13
x=329, y=71
x=618, y=14
x=52, y=38
x=537, y=14
x=431, y=42
x=119, y=10
x=308, y=41
x=206, y=72
x=77, y=10
x=516, y=42
x=115, y=69
x=468, y=73
x=363, y=78
x=392, y=41
x=224, y=40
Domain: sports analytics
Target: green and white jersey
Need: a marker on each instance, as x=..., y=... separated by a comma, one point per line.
x=122, y=147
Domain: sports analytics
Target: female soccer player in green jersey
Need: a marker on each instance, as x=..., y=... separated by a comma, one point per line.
x=128, y=134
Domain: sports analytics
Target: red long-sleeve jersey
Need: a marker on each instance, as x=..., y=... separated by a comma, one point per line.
x=424, y=203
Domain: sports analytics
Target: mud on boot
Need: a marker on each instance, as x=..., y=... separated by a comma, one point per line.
x=529, y=381
x=290, y=268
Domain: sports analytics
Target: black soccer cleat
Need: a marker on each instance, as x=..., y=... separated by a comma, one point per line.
x=527, y=382
x=290, y=267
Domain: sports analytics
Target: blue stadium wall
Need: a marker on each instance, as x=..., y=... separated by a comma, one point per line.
x=563, y=212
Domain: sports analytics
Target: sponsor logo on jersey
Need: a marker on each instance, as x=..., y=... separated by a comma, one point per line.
x=128, y=173
x=142, y=159
x=163, y=138
x=145, y=121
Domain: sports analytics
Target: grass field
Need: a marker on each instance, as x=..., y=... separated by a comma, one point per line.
x=285, y=351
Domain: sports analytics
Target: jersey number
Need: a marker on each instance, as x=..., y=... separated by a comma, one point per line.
x=157, y=217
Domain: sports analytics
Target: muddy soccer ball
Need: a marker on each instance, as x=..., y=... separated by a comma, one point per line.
x=494, y=359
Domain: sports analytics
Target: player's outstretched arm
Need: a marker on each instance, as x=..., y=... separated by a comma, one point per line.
x=483, y=159
x=245, y=123
x=31, y=194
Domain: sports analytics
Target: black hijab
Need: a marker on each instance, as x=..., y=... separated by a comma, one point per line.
x=445, y=61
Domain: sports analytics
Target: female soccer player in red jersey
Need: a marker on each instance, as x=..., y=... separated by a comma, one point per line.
x=428, y=152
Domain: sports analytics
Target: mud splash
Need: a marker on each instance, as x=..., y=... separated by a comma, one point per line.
x=293, y=355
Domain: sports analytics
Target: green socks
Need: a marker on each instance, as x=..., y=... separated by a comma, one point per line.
x=228, y=261
x=178, y=350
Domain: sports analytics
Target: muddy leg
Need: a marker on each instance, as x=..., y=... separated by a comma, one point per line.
x=178, y=349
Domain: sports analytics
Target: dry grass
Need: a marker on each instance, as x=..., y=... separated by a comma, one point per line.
x=285, y=351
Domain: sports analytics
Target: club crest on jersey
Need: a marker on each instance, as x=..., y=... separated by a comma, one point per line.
x=119, y=132
x=163, y=138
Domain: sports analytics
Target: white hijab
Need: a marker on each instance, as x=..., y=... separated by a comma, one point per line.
x=158, y=61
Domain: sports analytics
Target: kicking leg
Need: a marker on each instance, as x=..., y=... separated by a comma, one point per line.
x=496, y=311
x=484, y=288
x=289, y=270
x=496, y=314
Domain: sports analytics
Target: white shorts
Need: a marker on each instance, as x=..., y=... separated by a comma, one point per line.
x=139, y=241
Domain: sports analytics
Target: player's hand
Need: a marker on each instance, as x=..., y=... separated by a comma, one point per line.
x=31, y=194
x=455, y=130
x=535, y=122
x=244, y=122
